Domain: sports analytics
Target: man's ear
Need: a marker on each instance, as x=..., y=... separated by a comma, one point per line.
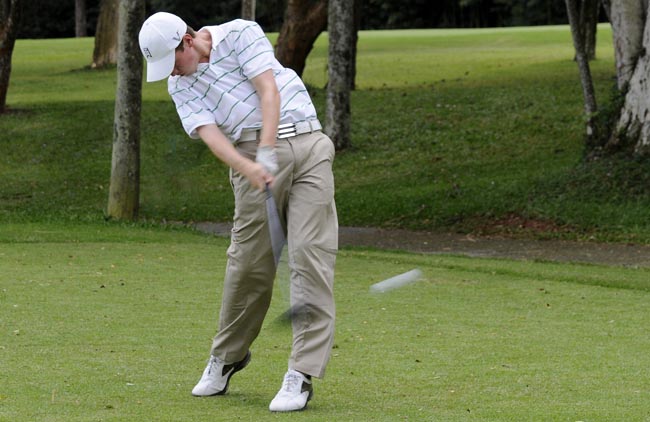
x=188, y=40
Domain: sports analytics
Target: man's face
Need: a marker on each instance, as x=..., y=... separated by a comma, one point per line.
x=187, y=59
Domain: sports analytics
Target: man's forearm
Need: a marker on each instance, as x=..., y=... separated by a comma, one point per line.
x=269, y=96
x=270, y=120
x=223, y=149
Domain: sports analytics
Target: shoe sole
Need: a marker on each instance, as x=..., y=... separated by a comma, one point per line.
x=311, y=394
x=238, y=367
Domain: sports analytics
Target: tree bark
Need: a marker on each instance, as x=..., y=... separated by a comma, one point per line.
x=627, y=18
x=9, y=16
x=608, y=7
x=633, y=128
x=105, y=52
x=578, y=34
x=304, y=20
x=248, y=9
x=341, y=33
x=589, y=21
x=124, y=192
x=80, y=18
x=353, y=43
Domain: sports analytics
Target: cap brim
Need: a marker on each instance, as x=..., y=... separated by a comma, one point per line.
x=160, y=69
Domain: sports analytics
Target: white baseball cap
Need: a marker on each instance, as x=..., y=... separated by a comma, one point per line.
x=160, y=34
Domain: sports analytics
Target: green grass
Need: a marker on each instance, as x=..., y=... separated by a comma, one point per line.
x=110, y=322
x=452, y=130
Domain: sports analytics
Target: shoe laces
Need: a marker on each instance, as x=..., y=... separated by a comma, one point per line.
x=213, y=363
x=292, y=381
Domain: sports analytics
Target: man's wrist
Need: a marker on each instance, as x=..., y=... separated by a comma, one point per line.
x=267, y=157
x=241, y=165
x=267, y=141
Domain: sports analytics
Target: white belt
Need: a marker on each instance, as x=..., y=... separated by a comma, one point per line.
x=287, y=130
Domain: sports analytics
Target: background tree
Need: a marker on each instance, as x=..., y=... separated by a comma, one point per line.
x=198, y=13
x=80, y=18
x=304, y=20
x=576, y=10
x=49, y=19
x=8, y=30
x=588, y=17
x=606, y=8
x=105, y=52
x=124, y=192
x=631, y=32
x=339, y=70
x=55, y=19
x=628, y=20
x=353, y=43
x=248, y=9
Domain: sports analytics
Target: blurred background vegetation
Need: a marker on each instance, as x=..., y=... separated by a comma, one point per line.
x=55, y=19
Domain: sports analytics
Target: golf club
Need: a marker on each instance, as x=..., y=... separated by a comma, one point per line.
x=396, y=281
x=276, y=231
x=278, y=243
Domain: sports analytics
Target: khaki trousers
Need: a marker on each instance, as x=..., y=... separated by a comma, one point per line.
x=304, y=193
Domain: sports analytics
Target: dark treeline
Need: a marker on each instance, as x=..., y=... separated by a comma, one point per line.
x=55, y=18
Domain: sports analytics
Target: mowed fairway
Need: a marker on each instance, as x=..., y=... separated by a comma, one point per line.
x=110, y=322
x=118, y=329
x=451, y=130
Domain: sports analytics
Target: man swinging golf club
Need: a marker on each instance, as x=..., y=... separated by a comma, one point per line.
x=230, y=91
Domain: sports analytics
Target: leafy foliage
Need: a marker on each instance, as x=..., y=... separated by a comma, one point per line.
x=49, y=19
x=451, y=130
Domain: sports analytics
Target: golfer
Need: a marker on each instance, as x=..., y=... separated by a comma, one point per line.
x=231, y=92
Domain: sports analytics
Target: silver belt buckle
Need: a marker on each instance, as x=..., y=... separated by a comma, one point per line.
x=287, y=130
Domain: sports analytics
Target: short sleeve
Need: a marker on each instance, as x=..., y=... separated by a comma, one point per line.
x=254, y=50
x=191, y=110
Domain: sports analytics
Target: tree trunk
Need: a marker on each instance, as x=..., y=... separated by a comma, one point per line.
x=578, y=35
x=339, y=70
x=353, y=43
x=248, y=9
x=9, y=10
x=633, y=128
x=589, y=21
x=80, y=18
x=105, y=52
x=607, y=7
x=628, y=19
x=124, y=192
x=304, y=20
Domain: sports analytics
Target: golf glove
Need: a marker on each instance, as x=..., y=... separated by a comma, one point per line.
x=267, y=157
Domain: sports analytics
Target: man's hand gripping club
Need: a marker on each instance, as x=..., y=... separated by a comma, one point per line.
x=257, y=173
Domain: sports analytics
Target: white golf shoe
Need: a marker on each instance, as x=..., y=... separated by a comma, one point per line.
x=216, y=376
x=296, y=391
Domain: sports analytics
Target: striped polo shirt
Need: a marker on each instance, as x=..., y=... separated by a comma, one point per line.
x=221, y=91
